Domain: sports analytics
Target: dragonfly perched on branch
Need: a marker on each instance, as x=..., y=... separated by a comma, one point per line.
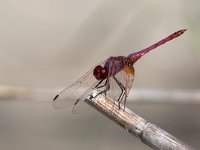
x=112, y=77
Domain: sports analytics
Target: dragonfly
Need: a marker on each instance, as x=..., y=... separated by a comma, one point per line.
x=112, y=77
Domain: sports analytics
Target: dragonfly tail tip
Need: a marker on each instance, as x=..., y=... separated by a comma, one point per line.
x=183, y=30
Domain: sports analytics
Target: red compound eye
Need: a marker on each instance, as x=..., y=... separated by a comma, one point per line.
x=100, y=72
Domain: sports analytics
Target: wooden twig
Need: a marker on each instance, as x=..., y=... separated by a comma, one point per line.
x=147, y=132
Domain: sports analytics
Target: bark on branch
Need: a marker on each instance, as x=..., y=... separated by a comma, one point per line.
x=147, y=132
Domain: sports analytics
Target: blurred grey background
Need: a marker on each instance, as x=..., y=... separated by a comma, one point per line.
x=50, y=44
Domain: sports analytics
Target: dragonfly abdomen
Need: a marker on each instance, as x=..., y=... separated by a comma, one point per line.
x=135, y=56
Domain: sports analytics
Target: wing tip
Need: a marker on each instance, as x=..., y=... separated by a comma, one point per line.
x=55, y=97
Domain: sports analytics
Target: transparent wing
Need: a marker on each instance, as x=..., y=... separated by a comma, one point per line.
x=125, y=77
x=76, y=93
x=114, y=91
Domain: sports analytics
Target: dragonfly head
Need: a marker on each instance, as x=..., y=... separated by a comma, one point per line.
x=100, y=73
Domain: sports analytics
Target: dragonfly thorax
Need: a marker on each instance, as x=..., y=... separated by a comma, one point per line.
x=100, y=73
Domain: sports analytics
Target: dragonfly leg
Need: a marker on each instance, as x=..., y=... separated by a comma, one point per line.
x=106, y=84
x=98, y=85
x=122, y=91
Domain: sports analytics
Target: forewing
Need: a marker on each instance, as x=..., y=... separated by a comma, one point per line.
x=76, y=93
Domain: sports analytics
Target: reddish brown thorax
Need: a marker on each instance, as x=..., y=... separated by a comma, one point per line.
x=100, y=73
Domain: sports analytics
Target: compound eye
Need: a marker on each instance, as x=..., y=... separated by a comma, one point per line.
x=100, y=73
x=104, y=73
x=95, y=72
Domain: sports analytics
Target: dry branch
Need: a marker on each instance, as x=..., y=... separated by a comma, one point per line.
x=147, y=132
